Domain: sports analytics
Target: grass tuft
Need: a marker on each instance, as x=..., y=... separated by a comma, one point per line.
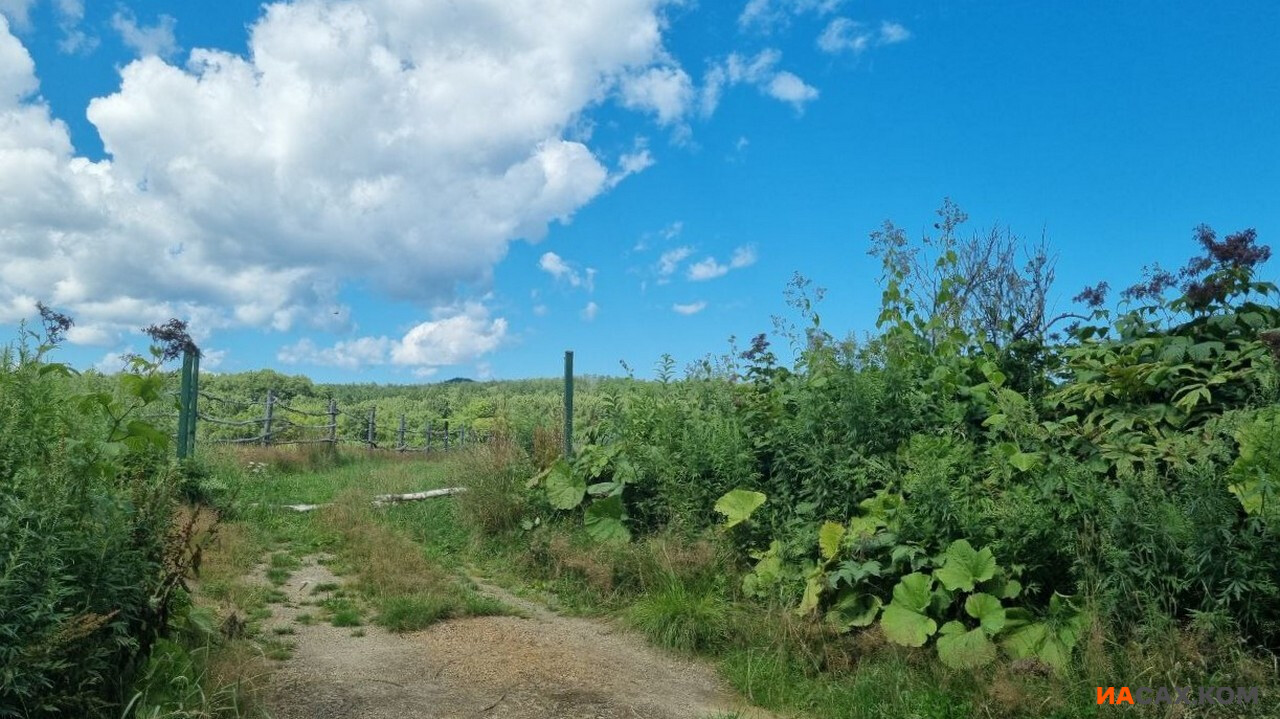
x=680, y=618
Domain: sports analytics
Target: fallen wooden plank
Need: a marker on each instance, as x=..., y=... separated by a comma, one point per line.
x=383, y=500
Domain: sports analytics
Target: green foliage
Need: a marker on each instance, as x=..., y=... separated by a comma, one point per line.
x=1052, y=639
x=565, y=489
x=738, y=506
x=682, y=618
x=1255, y=475
x=604, y=520
x=87, y=579
x=905, y=621
x=965, y=567
x=411, y=613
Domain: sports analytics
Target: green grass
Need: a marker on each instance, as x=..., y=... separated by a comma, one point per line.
x=683, y=619
x=408, y=614
x=879, y=688
x=278, y=650
x=278, y=576
x=283, y=560
x=343, y=612
x=405, y=562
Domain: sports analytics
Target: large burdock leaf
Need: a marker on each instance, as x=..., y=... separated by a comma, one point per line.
x=603, y=520
x=564, y=488
x=987, y=610
x=738, y=505
x=1050, y=640
x=964, y=567
x=812, y=593
x=854, y=610
x=904, y=621
x=959, y=648
x=829, y=538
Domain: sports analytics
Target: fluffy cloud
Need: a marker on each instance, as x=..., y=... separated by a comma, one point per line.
x=707, y=269
x=692, y=308
x=375, y=142
x=670, y=261
x=845, y=35
x=453, y=337
x=665, y=91
x=744, y=256
x=710, y=268
x=557, y=267
x=145, y=40
x=590, y=311
x=18, y=12
x=762, y=72
x=768, y=14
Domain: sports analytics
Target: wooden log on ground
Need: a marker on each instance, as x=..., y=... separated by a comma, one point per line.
x=383, y=500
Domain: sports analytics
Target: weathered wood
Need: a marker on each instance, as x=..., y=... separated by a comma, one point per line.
x=383, y=500
x=266, y=418
x=333, y=423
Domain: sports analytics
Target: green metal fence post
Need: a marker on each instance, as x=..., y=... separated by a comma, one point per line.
x=194, y=403
x=568, y=404
x=184, y=405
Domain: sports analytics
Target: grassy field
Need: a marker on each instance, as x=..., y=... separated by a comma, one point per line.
x=407, y=566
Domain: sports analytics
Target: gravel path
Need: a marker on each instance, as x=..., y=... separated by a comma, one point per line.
x=541, y=665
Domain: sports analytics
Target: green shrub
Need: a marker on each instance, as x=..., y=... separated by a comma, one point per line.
x=85, y=510
x=412, y=613
x=681, y=618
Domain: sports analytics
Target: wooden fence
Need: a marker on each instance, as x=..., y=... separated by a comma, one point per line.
x=281, y=424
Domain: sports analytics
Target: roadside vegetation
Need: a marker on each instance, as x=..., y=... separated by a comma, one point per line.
x=979, y=510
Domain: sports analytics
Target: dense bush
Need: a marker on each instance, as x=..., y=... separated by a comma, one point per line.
x=86, y=573
x=1127, y=462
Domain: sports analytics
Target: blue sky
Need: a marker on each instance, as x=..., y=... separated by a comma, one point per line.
x=405, y=191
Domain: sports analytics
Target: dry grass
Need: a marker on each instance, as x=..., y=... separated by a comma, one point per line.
x=392, y=571
x=386, y=561
x=494, y=475
x=548, y=444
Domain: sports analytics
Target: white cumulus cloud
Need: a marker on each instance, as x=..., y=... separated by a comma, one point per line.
x=373, y=142
x=710, y=268
x=766, y=15
x=744, y=256
x=843, y=35
x=692, y=308
x=146, y=40
x=557, y=267
x=761, y=71
x=18, y=12
x=669, y=261
x=454, y=336
x=665, y=91
x=707, y=269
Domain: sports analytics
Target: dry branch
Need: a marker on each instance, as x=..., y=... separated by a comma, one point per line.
x=383, y=500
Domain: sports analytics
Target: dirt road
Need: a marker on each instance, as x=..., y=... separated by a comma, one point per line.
x=540, y=665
